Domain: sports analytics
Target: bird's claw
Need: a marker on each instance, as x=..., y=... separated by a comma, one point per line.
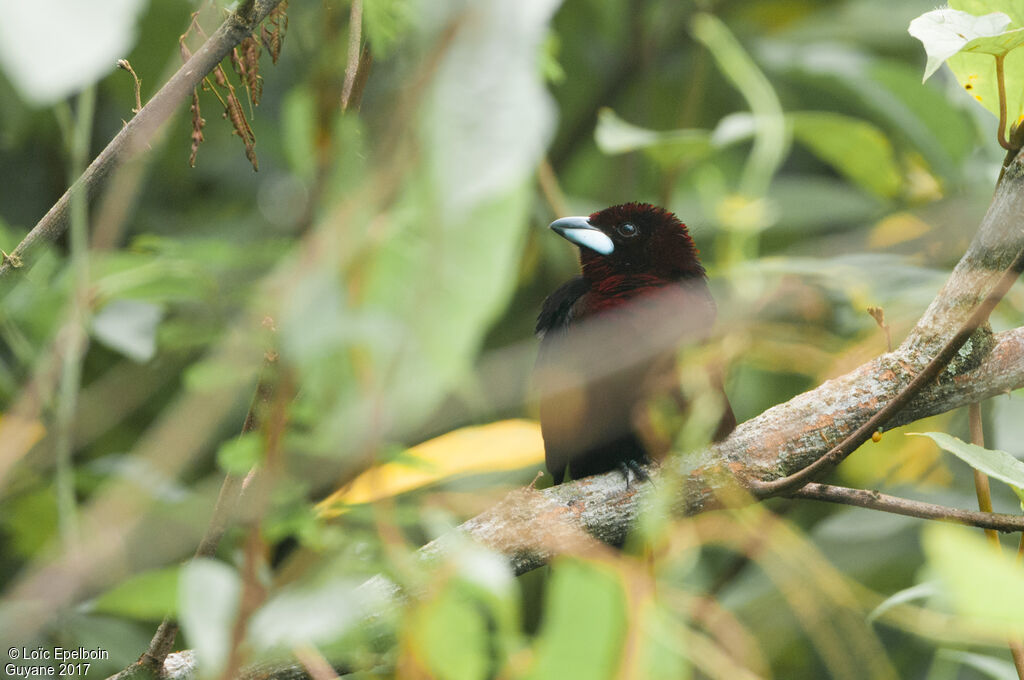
x=637, y=468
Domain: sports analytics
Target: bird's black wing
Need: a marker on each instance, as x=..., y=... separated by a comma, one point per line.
x=556, y=315
x=557, y=311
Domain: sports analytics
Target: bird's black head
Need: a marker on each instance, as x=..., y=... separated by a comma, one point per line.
x=632, y=238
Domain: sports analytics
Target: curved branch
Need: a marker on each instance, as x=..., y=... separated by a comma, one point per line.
x=137, y=133
x=873, y=500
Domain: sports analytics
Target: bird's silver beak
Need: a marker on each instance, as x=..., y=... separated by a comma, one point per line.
x=580, y=231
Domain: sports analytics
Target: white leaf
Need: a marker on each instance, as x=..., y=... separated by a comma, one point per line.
x=207, y=605
x=307, y=615
x=944, y=32
x=52, y=48
x=129, y=327
x=491, y=67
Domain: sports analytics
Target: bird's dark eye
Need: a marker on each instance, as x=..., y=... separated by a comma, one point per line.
x=627, y=229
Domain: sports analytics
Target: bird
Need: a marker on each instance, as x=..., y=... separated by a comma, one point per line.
x=609, y=339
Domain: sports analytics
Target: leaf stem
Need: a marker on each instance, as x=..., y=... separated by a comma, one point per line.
x=355, y=32
x=71, y=344
x=1001, y=82
x=981, y=486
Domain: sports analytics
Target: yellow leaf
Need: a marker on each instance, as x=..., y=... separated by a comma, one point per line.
x=897, y=228
x=504, y=445
x=19, y=436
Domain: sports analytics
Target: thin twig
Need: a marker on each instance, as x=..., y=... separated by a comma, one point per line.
x=355, y=39
x=136, y=134
x=231, y=490
x=873, y=500
x=314, y=662
x=73, y=339
x=124, y=64
x=878, y=314
x=982, y=310
x=549, y=186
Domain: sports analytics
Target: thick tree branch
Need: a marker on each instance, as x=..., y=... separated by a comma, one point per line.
x=137, y=133
x=928, y=374
x=604, y=507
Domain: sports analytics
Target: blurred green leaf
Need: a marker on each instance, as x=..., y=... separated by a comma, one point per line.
x=147, y=596
x=239, y=455
x=298, y=131
x=386, y=23
x=916, y=592
x=30, y=521
x=813, y=204
x=210, y=374
x=208, y=593
x=989, y=666
x=677, y=147
x=584, y=626
x=771, y=139
x=984, y=585
x=856, y=148
x=994, y=463
x=664, y=653
x=450, y=635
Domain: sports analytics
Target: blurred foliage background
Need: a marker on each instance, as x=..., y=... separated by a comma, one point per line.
x=379, y=278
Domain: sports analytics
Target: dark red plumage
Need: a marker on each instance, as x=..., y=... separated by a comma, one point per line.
x=609, y=336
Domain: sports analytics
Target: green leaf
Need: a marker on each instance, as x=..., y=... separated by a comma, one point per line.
x=771, y=139
x=857, y=149
x=664, y=645
x=450, y=635
x=1012, y=8
x=239, y=455
x=298, y=131
x=670, y=148
x=993, y=462
x=148, y=596
x=983, y=585
x=208, y=593
x=386, y=23
x=976, y=73
x=916, y=592
x=585, y=623
x=989, y=666
x=945, y=32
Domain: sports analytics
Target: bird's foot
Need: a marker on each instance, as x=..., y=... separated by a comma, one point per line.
x=636, y=468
